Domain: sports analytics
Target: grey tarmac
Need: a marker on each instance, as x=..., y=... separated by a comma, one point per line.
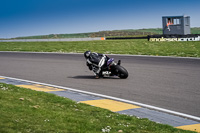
x=170, y=83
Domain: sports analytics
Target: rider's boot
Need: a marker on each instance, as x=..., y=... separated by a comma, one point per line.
x=97, y=76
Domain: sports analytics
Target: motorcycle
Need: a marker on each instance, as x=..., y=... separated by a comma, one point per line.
x=113, y=69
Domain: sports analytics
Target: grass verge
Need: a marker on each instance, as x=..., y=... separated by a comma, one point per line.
x=24, y=110
x=135, y=47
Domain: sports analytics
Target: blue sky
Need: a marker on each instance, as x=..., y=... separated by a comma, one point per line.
x=42, y=17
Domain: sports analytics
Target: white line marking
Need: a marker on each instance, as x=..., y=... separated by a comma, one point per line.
x=114, y=98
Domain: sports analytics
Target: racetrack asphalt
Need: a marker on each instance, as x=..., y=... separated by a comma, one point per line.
x=170, y=83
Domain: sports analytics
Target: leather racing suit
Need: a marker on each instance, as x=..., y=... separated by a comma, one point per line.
x=96, y=61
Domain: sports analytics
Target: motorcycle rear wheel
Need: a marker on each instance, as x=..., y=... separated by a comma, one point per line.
x=122, y=72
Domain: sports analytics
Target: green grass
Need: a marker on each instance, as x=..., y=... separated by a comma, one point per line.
x=76, y=35
x=150, y=30
x=120, y=33
x=113, y=33
x=134, y=47
x=195, y=30
x=24, y=110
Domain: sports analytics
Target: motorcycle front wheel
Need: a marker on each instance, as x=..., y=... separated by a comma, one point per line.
x=122, y=72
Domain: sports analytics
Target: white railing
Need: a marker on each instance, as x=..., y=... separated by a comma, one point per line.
x=52, y=40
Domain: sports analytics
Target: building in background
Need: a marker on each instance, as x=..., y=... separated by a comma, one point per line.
x=176, y=25
x=175, y=28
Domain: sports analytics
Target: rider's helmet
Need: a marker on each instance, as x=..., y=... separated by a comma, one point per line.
x=87, y=54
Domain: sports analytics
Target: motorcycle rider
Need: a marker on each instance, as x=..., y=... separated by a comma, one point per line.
x=95, y=61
